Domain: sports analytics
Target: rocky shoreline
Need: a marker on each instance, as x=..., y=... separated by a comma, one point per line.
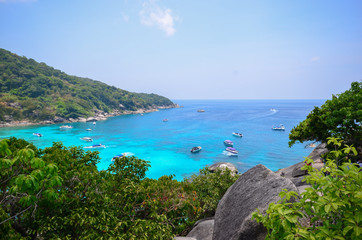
x=254, y=189
x=98, y=116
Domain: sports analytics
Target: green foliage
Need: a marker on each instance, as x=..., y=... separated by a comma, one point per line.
x=35, y=91
x=340, y=117
x=58, y=193
x=210, y=187
x=329, y=209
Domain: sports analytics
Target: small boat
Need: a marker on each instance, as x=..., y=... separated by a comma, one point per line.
x=228, y=143
x=126, y=154
x=273, y=110
x=88, y=129
x=280, y=128
x=66, y=127
x=165, y=120
x=94, y=123
x=87, y=139
x=200, y=110
x=96, y=146
x=232, y=150
x=118, y=156
x=237, y=134
x=38, y=134
x=196, y=149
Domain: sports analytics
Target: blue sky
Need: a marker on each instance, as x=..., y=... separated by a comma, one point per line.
x=194, y=49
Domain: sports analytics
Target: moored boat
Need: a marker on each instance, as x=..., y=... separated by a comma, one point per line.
x=96, y=146
x=165, y=120
x=125, y=154
x=196, y=149
x=237, y=134
x=88, y=129
x=280, y=128
x=87, y=139
x=38, y=134
x=228, y=143
x=66, y=127
x=200, y=110
x=232, y=150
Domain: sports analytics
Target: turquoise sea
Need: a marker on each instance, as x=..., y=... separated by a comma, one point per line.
x=167, y=144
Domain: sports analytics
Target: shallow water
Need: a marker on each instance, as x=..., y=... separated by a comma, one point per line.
x=167, y=144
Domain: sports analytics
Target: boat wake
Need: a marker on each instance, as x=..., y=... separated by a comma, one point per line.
x=269, y=113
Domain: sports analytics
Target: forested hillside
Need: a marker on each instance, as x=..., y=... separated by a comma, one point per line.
x=36, y=91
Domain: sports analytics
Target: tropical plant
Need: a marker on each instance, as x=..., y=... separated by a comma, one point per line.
x=340, y=117
x=58, y=193
x=329, y=209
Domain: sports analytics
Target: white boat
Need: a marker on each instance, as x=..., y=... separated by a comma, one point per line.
x=88, y=129
x=196, y=149
x=126, y=154
x=280, y=128
x=96, y=146
x=94, y=123
x=237, y=134
x=228, y=143
x=38, y=134
x=273, y=110
x=66, y=127
x=232, y=150
x=87, y=139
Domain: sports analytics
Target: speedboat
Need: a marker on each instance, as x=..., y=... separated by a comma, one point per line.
x=232, y=150
x=273, y=110
x=87, y=139
x=118, y=156
x=38, y=134
x=125, y=154
x=196, y=149
x=96, y=146
x=280, y=128
x=200, y=110
x=65, y=127
x=237, y=134
x=228, y=143
x=88, y=129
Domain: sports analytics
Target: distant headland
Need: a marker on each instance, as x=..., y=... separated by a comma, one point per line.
x=35, y=93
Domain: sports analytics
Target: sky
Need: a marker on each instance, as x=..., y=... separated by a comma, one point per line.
x=194, y=49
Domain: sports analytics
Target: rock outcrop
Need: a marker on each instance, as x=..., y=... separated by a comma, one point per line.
x=254, y=189
x=224, y=165
x=203, y=229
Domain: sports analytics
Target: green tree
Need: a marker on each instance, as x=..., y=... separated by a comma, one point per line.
x=58, y=193
x=329, y=209
x=340, y=117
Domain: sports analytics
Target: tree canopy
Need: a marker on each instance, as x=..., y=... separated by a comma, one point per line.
x=36, y=91
x=58, y=193
x=340, y=117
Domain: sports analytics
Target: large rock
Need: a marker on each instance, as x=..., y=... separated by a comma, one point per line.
x=224, y=165
x=202, y=230
x=254, y=189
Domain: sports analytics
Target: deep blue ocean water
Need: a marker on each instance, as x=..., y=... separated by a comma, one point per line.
x=167, y=144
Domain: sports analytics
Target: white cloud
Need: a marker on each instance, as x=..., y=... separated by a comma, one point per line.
x=315, y=59
x=153, y=15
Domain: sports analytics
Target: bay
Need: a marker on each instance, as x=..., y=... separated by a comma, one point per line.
x=167, y=144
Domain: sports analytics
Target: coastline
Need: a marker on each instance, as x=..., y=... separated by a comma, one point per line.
x=98, y=116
